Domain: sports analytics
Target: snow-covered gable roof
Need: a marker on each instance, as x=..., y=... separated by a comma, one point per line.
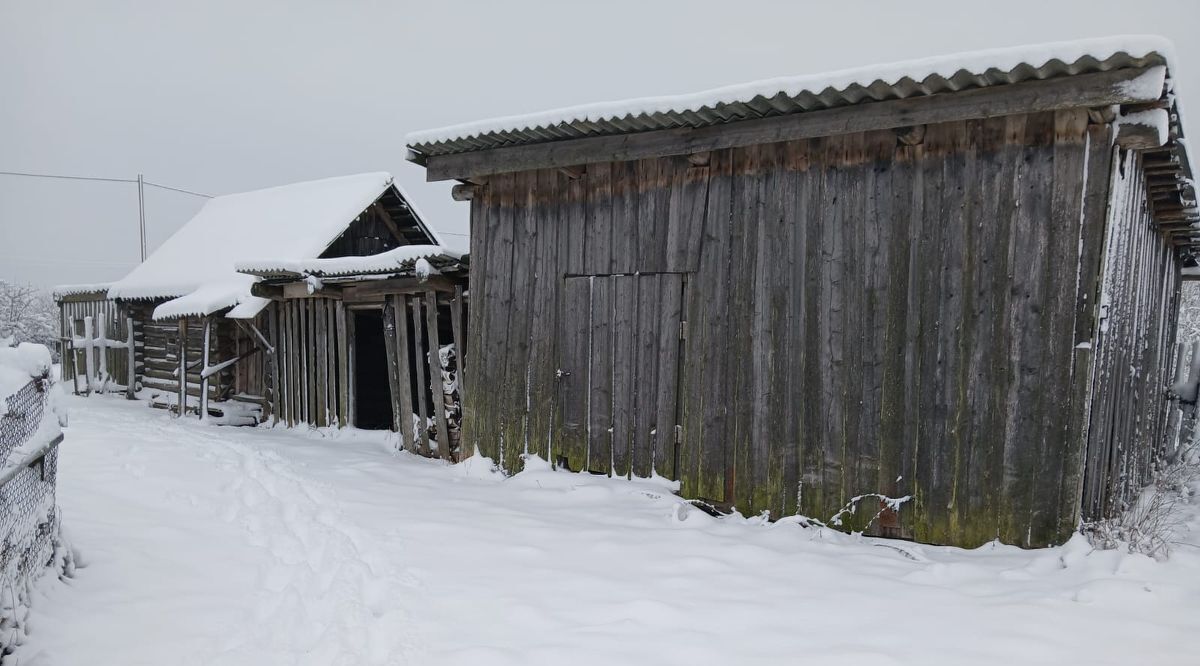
x=797, y=94
x=197, y=266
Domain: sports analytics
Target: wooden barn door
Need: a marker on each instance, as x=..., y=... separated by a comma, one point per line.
x=620, y=341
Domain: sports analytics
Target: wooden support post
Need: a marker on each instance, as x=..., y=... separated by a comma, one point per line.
x=435, y=374
x=460, y=343
x=273, y=363
x=88, y=344
x=343, y=362
x=404, y=360
x=351, y=375
x=102, y=353
x=74, y=363
x=393, y=351
x=419, y=365
x=181, y=408
x=320, y=363
x=204, y=351
x=131, y=366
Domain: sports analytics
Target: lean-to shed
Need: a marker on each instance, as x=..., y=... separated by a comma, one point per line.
x=953, y=280
x=203, y=338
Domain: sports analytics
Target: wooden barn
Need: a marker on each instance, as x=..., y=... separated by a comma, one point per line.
x=953, y=281
x=295, y=337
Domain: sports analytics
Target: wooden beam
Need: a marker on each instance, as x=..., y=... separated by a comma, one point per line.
x=462, y=192
x=271, y=291
x=1084, y=90
x=376, y=290
x=386, y=219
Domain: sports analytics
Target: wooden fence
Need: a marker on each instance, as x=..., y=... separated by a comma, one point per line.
x=98, y=346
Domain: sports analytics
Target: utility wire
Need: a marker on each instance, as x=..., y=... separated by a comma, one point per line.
x=104, y=180
x=176, y=189
x=62, y=177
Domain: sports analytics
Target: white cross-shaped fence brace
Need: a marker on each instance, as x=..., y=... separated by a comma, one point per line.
x=95, y=345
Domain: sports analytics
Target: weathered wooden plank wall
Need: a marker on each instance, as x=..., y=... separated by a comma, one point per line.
x=1135, y=359
x=314, y=341
x=71, y=313
x=312, y=363
x=862, y=316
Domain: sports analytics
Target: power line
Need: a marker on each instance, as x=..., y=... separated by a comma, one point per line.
x=62, y=177
x=103, y=180
x=176, y=189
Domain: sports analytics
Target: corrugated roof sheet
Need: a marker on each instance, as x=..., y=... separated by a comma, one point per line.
x=784, y=96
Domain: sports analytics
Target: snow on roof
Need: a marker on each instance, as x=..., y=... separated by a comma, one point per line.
x=82, y=288
x=399, y=258
x=62, y=290
x=798, y=93
x=196, y=265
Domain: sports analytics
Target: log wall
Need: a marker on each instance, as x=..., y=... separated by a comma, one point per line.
x=864, y=314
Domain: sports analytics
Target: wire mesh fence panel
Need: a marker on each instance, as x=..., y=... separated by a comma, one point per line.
x=28, y=519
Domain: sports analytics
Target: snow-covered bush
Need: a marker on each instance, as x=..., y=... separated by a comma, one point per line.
x=27, y=314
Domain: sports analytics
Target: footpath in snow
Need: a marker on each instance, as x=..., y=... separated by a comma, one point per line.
x=206, y=545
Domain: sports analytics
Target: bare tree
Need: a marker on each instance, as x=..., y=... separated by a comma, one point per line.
x=27, y=314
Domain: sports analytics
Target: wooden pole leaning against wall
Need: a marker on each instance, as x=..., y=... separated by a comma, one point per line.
x=458, y=326
x=404, y=400
x=88, y=362
x=435, y=374
x=131, y=366
x=419, y=365
x=102, y=353
x=204, y=369
x=181, y=343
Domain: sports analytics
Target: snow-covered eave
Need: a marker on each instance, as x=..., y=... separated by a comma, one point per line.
x=396, y=260
x=62, y=291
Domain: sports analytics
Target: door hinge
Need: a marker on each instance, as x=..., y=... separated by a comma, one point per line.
x=683, y=330
x=678, y=435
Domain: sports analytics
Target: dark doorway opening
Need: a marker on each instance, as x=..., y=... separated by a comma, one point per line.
x=372, y=395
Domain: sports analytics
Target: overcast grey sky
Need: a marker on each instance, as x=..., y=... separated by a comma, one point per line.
x=220, y=96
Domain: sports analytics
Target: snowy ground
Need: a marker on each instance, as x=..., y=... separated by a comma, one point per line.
x=208, y=545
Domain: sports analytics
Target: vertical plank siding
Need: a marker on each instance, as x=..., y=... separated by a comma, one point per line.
x=1135, y=339
x=313, y=381
x=860, y=316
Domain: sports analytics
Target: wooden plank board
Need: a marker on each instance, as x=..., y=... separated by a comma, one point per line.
x=319, y=347
x=574, y=348
x=600, y=377
x=646, y=362
x=625, y=372
x=670, y=304
x=404, y=377
x=393, y=350
x=435, y=374
x=543, y=313
x=420, y=366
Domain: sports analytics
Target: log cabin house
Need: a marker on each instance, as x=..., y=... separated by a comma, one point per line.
x=932, y=300
x=269, y=305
